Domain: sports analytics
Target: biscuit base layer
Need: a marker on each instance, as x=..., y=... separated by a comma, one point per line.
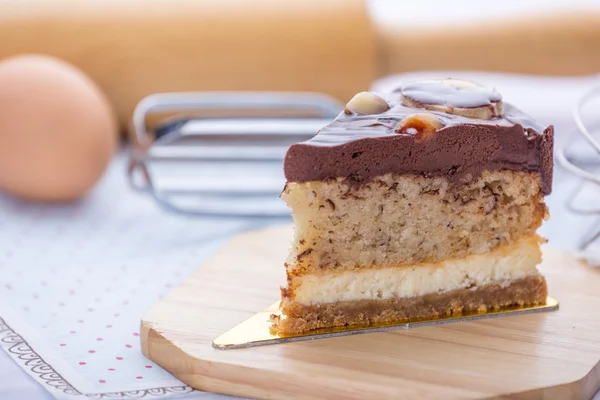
x=300, y=318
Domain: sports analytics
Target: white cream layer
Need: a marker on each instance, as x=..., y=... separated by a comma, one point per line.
x=502, y=265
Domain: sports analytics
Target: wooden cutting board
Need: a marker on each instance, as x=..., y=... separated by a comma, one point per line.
x=552, y=355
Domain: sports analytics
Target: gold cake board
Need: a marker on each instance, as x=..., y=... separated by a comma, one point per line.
x=553, y=355
x=255, y=330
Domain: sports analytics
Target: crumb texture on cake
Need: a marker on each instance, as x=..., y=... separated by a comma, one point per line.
x=301, y=318
x=503, y=264
x=416, y=204
x=403, y=219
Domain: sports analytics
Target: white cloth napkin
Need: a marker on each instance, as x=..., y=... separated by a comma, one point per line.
x=76, y=279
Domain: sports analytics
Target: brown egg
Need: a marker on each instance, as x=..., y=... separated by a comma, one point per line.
x=57, y=129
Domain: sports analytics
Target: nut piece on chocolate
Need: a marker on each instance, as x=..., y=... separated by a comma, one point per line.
x=366, y=103
x=422, y=125
x=453, y=96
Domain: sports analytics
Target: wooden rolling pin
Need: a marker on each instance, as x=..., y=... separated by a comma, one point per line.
x=137, y=47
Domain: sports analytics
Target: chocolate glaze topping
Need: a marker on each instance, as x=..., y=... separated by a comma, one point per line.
x=359, y=147
x=434, y=92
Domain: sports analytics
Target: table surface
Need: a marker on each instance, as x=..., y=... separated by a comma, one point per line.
x=564, y=230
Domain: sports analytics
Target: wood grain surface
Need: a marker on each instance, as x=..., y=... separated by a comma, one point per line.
x=552, y=43
x=543, y=356
x=135, y=48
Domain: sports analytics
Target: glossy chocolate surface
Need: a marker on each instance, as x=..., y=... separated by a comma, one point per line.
x=436, y=92
x=360, y=147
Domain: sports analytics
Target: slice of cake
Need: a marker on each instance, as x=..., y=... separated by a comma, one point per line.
x=416, y=204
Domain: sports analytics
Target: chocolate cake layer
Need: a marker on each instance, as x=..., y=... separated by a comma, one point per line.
x=359, y=146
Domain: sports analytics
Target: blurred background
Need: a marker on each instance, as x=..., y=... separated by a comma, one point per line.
x=117, y=204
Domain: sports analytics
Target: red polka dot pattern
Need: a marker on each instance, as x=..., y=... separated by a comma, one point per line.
x=81, y=274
